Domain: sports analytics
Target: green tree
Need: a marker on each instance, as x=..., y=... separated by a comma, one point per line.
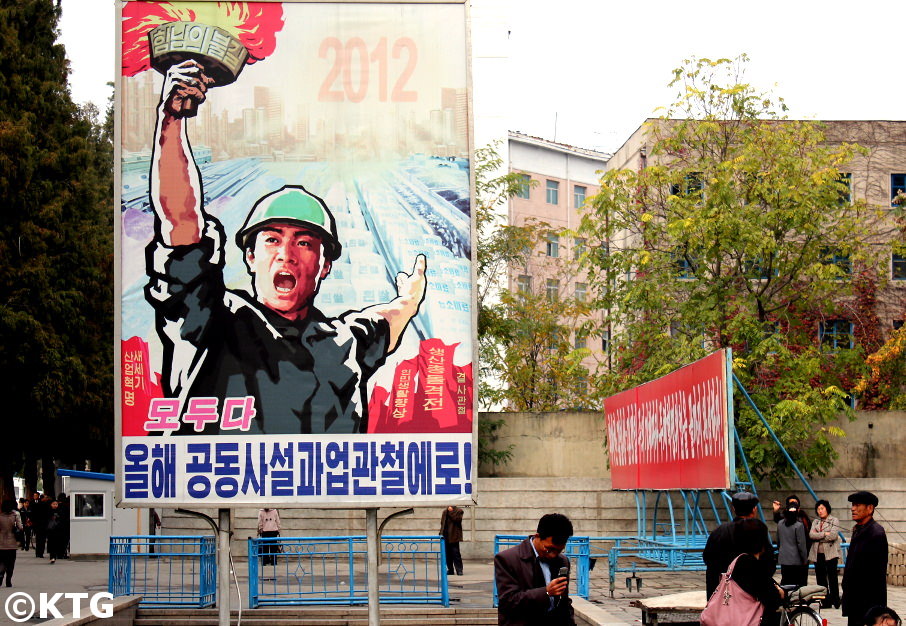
x=734, y=235
x=56, y=254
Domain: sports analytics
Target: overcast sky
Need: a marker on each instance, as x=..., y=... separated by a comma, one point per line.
x=588, y=73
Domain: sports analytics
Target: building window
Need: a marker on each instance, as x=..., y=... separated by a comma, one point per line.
x=605, y=341
x=897, y=184
x=524, y=189
x=88, y=505
x=692, y=186
x=839, y=258
x=553, y=192
x=580, y=292
x=581, y=342
x=836, y=335
x=684, y=264
x=552, y=248
x=578, y=248
x=898, y=267
x=552, y=289
x=845, y=180
x=524, y=284
x=579, y=194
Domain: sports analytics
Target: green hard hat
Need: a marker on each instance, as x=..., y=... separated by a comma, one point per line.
x=294, y=205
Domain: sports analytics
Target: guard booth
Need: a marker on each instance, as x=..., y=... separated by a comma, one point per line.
x=93, y=518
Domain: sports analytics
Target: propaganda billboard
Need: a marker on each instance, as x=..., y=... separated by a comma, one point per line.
x=674, y=432
x=295, y=314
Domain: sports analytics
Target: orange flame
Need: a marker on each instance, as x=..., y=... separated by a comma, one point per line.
x=255, y=24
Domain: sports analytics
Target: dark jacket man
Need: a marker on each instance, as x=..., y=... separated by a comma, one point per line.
x=865, y=574
x=722, y=547
x=526, y=596
x=451, y=531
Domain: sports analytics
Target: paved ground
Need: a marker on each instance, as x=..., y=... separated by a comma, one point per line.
x=474, y=588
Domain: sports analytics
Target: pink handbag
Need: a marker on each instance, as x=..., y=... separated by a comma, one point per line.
x=729, y=605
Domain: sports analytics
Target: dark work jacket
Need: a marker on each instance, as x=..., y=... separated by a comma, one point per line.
x=865, y=574
x=721, y=549
x=522, y=592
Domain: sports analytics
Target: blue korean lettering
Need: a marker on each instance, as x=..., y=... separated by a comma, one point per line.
x=392, y=480
x=226, y=467
x=163, y=470
x=252, y=483
x=446, y=467
x=199, y=463
x=311, y=469
x=281, y=470
x=364, y=468
x=337, y=459
x=418, y=468
x=135, y=471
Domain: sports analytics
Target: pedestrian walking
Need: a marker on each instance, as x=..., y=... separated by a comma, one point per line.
x=10, y=525
x=56, y=532
x=25, y=517
x=451, y=531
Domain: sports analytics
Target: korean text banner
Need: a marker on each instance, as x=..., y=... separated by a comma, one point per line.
x=294, y=254
x=673, y=432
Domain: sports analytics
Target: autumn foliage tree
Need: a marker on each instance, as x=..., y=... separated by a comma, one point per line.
x=737, y=233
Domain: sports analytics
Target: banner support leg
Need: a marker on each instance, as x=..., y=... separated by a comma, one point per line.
x=223, y=567
x=374, y=599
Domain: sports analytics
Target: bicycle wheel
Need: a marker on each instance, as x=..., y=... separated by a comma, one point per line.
x=804, y=616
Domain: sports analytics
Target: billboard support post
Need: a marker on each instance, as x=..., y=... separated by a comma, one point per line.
x=374, y=601
x=223, y=567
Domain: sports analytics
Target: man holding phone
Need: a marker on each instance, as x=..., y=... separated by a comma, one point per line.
x=533, y=577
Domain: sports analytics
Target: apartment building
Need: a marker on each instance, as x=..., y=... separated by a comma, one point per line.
x=559, y=179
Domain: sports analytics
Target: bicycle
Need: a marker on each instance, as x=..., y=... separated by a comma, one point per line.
x=796, y=609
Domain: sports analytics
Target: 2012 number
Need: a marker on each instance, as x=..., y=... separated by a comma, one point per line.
x=352, y=67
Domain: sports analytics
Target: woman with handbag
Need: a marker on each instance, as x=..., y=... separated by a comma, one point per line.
x=10, y=531
x=825, y=552
x=747, y=594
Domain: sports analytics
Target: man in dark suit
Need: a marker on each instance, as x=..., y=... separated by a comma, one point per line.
x=530, y=590
x=865, y=575
x=722, y=547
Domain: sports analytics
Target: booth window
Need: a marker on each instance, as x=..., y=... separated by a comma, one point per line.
x=88, y=505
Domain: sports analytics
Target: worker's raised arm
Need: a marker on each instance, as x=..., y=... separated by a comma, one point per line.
x=176, y=194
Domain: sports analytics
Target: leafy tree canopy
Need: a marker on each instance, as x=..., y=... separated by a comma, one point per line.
x=734, y=233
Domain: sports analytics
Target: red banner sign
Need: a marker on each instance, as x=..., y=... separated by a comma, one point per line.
x=673, y=432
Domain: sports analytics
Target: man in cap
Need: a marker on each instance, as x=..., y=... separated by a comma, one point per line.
x=722, y=547
x=865, y=574
x=303, y=371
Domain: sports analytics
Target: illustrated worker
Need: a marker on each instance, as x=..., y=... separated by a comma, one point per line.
x=530, y=589
x=722, y=545
x=307, y=372
x=865, y=574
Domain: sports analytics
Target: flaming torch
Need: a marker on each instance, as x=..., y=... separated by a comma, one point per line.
x=222, y=37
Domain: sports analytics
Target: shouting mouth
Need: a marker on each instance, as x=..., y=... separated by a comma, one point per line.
x=284, y=282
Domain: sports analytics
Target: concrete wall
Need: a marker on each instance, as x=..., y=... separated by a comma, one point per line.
x=572, y=444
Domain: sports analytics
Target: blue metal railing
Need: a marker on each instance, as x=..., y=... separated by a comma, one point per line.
x=577, y=549
x=165, y=570
x=333, y=570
